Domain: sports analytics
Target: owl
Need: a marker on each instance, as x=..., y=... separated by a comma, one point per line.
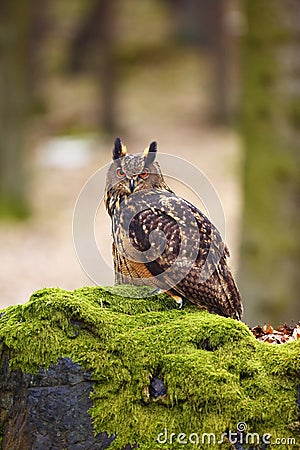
x=164, y=241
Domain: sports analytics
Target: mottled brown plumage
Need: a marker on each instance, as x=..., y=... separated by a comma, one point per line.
x=162, y=240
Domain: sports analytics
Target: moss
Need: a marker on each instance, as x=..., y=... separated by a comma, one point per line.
x=216, y=373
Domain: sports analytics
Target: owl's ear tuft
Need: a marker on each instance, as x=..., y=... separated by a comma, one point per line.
x=119, y=149
x=150, y=153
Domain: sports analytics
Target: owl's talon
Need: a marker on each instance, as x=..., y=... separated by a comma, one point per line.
x=178, y=299
x=156, y=291
x=180, y=303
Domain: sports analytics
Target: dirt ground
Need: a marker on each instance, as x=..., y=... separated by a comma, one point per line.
x=40, y=252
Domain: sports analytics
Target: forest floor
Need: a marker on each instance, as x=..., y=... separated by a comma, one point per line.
x=171, y=109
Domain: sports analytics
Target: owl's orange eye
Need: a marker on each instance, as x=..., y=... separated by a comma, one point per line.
x=120, y=172
x=144, y=174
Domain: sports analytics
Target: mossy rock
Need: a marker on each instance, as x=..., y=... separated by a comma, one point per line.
x=215, y=373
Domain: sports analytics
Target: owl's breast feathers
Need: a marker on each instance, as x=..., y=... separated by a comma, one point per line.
x=166, y=239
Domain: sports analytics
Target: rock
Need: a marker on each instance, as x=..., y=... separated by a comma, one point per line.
x=157, y=387
x=101, y=368
x=48, y=410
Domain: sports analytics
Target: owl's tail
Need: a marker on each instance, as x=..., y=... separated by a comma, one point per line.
x=231, y=296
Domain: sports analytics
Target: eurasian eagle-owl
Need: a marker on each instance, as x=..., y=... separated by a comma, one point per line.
x=162, y=240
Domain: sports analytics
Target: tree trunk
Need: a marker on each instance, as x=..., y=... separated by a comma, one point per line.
x=270, y=256
x=15, y=19
x=96, y=37
x=108, y=68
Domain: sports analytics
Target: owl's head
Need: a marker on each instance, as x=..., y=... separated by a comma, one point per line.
x=129, y=173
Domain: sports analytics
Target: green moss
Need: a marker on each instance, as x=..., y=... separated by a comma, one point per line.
x=216, y=373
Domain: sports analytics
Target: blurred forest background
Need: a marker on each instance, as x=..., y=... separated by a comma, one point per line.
x=216, y=82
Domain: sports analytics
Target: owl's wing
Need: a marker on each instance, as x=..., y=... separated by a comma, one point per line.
x=193, y=261
x=187, y=232
x=220, y=285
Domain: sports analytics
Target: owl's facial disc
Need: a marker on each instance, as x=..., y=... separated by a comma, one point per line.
x=131, y=170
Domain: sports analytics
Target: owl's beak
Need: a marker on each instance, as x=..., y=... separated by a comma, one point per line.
x=131, y=185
